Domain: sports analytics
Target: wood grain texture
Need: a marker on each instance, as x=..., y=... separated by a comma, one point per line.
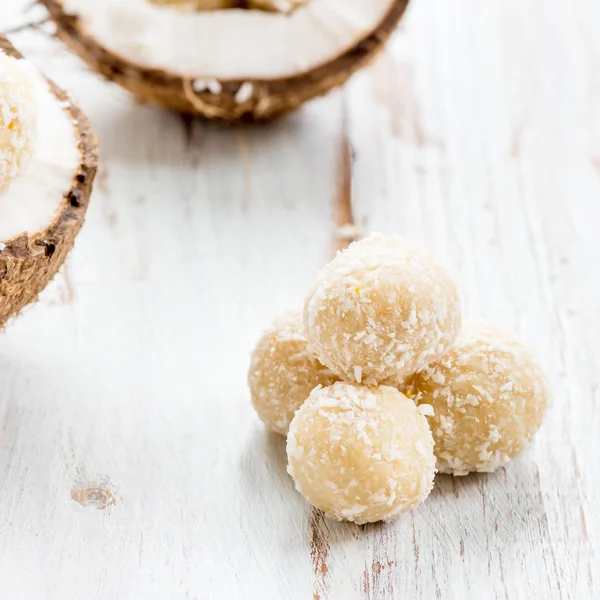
x=131, y=464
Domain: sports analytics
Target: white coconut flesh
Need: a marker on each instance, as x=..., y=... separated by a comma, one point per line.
x=232, y=43
x=31, y=200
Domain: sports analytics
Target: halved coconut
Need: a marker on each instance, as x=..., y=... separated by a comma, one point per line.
x=44, y=196
x=230, y=63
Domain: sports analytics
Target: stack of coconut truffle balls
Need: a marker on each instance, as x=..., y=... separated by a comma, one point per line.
x=378, y=384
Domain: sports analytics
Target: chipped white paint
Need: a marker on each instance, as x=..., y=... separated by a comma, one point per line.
x=131, y=464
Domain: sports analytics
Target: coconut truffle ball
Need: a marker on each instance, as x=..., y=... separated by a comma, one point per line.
x=18, y=116
x=489, y=397
x=361, y=454
x=382, y=310
x=283, y=372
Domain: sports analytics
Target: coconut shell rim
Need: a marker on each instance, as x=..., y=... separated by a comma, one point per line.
x=45, y=251
x=278, y=94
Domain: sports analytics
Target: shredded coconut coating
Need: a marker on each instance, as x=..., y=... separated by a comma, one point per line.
x=18, y=116
x=489, y=397
x=382, y=310
x=361, y=454
x=283, y=372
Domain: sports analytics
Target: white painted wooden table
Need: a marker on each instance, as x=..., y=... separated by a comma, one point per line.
x=131, y=463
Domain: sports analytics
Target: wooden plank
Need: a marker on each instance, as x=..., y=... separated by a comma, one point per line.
x=480, y=153
x=131, y=462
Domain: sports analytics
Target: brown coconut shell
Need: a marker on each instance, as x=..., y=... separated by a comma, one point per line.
x=270, y=97
x=28, y=263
